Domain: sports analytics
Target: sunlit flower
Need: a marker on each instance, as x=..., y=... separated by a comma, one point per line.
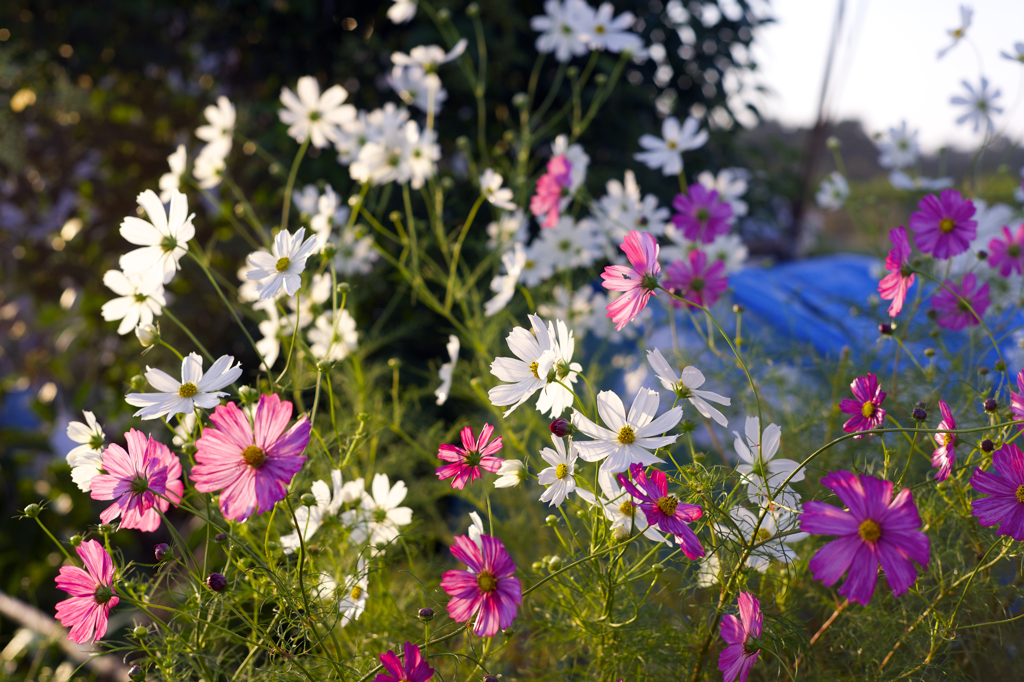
x=773, y=537
x=527, y=373
x=504, y=286
x=220, y=126
x=666, y=152
x=511, y=473
x=1006, y=487
x=966, y=13
x=637, y=282
x=402, y=11
x=140, y=298
x=741, y=635
x=1017, y=400
x=961, y=306
x=620, y=509
x=701, y=216
x=877, y=529
x=628, y=439
x=381, y=515
x=757, y=452
x=686, y=386
x=833, y=191
x=559, y=478
x=250, y=465
x=602, y=30
x=899, y=149
x=623, y=209
x=92, y=593
x=417, y=87
x=140, y=481
x=895, y=285
x=510, y=227
x=354, y=254
x=282, y=268
x=944, y=456
x=663, y=510
x=980, y=105
x=467, y=462
x=415, y=668
x=195, y=389
x=694, y=281
x=311, y=518
x=550, y=187
x=313, y=116
x=170, y=181
x=354, y=591
x=866, y=405
x=1007, y=254
x=329, y=213
x=560, y=32
x=491, y=189
x=164, y=238
x=333, y=339
x=943, y=226
x=211, y=163
x=486, y=589
x=448, y=369
x=86, y=460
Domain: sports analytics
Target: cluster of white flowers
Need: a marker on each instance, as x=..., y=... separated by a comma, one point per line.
x=218, y=134
x=572, y=28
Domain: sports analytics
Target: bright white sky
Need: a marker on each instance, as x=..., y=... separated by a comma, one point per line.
x=886, y=68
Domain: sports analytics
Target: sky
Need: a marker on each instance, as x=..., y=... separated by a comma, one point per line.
x=887, y=70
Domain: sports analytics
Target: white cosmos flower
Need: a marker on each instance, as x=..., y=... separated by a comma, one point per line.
x=980, y=105
x=164, y=238
x=220, y=125
x=381, y=515
x=555, y=398
x=560, y=476
x=416, y=88
x=666, y=152
x=171, y=181
x=306, y=306
x=605, y=32
x=195, y=389
x=628, y=439
x=353, y=594
x=561, y=30
x=621, y=509
x=899, y=149
x=184, y=429
x=447, y=369
x=900, y=180
x=731, y=184
x=491, y=189
x=511, y=473
x=966, y=13
x=504, y=286
x=776, y=546
x=355, y=254
x=211, y=163
x=283, y=266
x=509, y=227
x=139, y=300
x=328, y=213
x=575, y=309
x=313, y=116
x=757, y=450
x=685, y=386
x=539, y=266
x=402, y=11
x=541, y=356
x=833, y=191
x=311, y=518
x=270, y=345
x=476, y=528
x=86, y=460
x=709, y=572
x=1018, y=48
x=429, y=57
x=306, y=200
x=571, y=244
x=399, y=154
x=622, y=209
x=332, y=340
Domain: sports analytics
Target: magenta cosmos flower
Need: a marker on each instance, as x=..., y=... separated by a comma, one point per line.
x=1007, y=254
x=140, y=481
x=876, y=530
x=414, y=670
x=693, y=280
x=663, y=510
x=944, y=456
x=638, y=282
x=897, y=283
x=488, y=589
x=92, y=593
x=953, y=313
x=741, y=635
x=701, y=217
x=1017, y=400
x=467, y=461
x=550, y=187
x=1006, y=506
x=250, y=467
x=866, y=407
x=943, y=225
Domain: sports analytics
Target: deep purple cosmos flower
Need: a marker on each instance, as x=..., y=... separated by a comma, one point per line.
x=877, y=529
x=866, y=407
x=895, y=285
x=961, y=306
x=663, y=510
x=693, y=280
x=701, y=217
x=741, y=635
x=943, y=225
x=1006, y=487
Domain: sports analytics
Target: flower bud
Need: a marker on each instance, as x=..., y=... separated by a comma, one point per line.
x=75, y=540
x=737, y=308
x=447, y=183
x=832, y=142
x=148, y=334
x=919, y=414
x=600, y=78
x=885, y=329
x=137, y=382
x=426, y=614
x=394, y=363
x=554, y=563
x=108, y=529
x=248, y=394
x=987, y=445
x=344, y=287
x=687, y=426
x=216, y=582
x=699, y=457
x=220, y=538
x=982, y=255
x=140, y=631
x=324, y=366
x=929, y=352
x=573, y=72
x=330, y=251
x=561, y=428
x=472, y=10
x=136, y=673
x=551, y=520
x=189, y=448
x=394, y=216
x=32, y=510
x=462, y=142
x=508, y=632
x=520, y=100
x=537, y=566
x=620, y=533
x=444, y=14
x=982, y=371
x=308, y=499
x=658, y=569
x=161, y=551
x=999, y=366
x=991, y=405
x=581, y=513
x=490, y=678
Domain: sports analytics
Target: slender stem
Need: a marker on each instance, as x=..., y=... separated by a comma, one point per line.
x=291, y=183
x=188, y=333
x=457, y=251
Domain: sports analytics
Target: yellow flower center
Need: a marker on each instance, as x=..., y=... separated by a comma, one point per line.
x=947, y=225
x=761, y=535
x=534, y=366
x=671, y=144
x=283, y=263
x=947, y=439
x=668, y=505
x=357, y=592
x=561, y=471
x=627, y=435
x=868, y=409
x=486, y=582
x=1020, y=494
x=626, y=508
x=869, y=530
x=187, y=390
x=254, y=456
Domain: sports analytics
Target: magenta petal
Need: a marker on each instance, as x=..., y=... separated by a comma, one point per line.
x=832, y=560
x=863, y=576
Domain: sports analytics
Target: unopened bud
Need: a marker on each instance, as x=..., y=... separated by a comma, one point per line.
x=999, y=366
x=75, y=540
x=447, y=183
x=832, y=142
x=189, y=448
x=216, y=582
x=220, y=538
x=472, y=10
x=248, y=394
x=140, y=631
x=462, y=142
x=885, y=329
x=425, y=614
x=324, y=366
x=137, y=382
x=919, y=414
x=108, y=529
x=394, y=363
x=737, y=308
x=508, y=632
x=600, y=78
x=136, y=673
x=520, y=100
x=32, y=510
x=308, y=499
x=394, y=216
x=148, y=334
x=161, y=551
x=537, y=566
x=551, y=520
x=687, y=426
x=991, y=405
x=987, y=445
x=982, y=255
x=581, y=513
x=620, y=533
x=490, y=678
x=929, y=352
x=344, y=287
x=699, y=457
x=554, y=563
x=658, y=569
x=561, y=428
x=572, y=72
x=444, y=14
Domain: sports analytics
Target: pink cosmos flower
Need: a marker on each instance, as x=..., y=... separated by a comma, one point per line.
x=1006, y=506
x=895, y=285
x=487, y=589
x=638, y=282
x=663, y=510
x=142, y=480
x=414, y=670
x=943, y=225
x=693, y=280
x=1017, y=400
x=549, y=190
x=944, y=456
x=250, y=469
x=953, y=313
x=739, y=657
x=1008, y=255
x=467, y=461
x=866, y=408
x=92, y=593
x=701, y=217
x=876, y=530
